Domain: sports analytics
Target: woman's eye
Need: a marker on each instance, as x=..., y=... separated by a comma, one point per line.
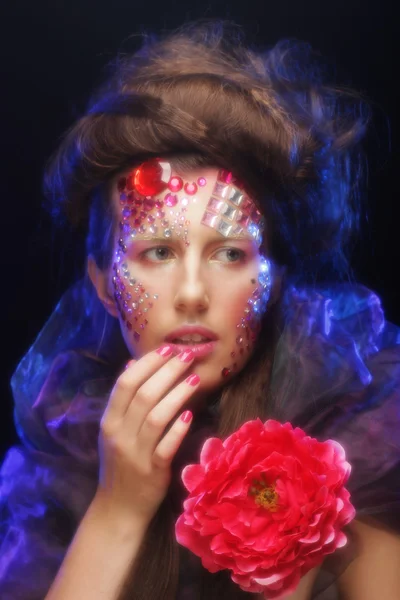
x=230, y=255
x=158, y=254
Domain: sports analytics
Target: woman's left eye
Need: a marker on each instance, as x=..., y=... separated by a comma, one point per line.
x=231, y=255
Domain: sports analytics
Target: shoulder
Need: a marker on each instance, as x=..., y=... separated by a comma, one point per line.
x=375, y=572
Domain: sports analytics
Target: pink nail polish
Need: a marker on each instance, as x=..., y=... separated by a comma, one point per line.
x=164, y=351
x=187, y=416
x=186, y=356
x=192, y=379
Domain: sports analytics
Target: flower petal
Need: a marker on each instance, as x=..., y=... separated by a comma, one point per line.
x=212, y=448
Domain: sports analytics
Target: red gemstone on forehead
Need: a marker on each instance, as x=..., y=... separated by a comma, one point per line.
x=202, y=181
x=151, y=177
x=171, y=200
x=190, y=188
x=175, y=184
x=225, y=372
x=158, y=204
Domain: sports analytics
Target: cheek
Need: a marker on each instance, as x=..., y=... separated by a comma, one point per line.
x=133, y=300
x=249, y=324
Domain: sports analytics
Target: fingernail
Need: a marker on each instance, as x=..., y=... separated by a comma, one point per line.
x=165, y=351
x=187, y=416
x=130, y=363
x=186, y=356
x=192, y=379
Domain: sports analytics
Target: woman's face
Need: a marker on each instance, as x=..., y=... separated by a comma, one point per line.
x=176, y=279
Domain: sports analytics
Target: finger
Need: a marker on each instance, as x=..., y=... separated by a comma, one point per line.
x=170, y=443
x=154, y=390
x=127, y=384
x=163, y=413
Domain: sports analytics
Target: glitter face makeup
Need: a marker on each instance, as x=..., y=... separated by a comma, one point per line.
x=249, y=326
x=231, y=212
x=144, y=211
x=191, y=242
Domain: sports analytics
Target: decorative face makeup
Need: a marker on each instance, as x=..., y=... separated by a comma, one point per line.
x=162, y=212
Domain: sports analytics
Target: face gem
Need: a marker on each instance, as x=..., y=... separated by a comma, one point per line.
x=224, y=228
x=243, y=221
x=236, y=197
x=228, y=212
x=151, y=177
x=190, y=188
x=225, y=176
x=216, y=205
x=175, y=184
x=202, y=181
x=210, y=219
x=171, y=200
x=221, y=190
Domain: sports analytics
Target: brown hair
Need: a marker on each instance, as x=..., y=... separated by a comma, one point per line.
x=202, y=98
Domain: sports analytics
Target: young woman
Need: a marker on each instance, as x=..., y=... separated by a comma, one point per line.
x=218, y=190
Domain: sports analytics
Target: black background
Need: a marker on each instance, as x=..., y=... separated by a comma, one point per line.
x=52, y=53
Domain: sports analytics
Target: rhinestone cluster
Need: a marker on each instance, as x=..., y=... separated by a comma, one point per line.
x=168, y=213
x=131, y=297
x=230, y=211
x=249, y=325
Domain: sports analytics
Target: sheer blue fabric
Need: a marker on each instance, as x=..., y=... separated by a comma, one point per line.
x=336, y=374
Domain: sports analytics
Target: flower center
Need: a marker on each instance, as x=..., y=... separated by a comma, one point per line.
x=264, y=494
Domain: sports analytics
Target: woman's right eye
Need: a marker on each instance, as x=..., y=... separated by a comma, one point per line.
x=158, y=254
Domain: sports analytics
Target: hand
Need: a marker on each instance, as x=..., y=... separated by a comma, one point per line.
x=135, y=457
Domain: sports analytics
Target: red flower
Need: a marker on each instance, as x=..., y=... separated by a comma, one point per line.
x=268, y=504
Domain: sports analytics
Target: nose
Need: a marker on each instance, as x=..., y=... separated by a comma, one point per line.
x=191, y=295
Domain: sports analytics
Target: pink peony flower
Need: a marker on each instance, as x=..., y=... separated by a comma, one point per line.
x=268, y=504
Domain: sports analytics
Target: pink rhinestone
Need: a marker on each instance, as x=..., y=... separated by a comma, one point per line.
x=150, y=219
x=136, y=335
x=171, y=200
x=175, y=184
x=148, y=204
x=202, y=181
x=225, y=176
x=158, y=204
x=190, y=188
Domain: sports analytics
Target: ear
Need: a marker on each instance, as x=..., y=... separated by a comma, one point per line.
x=100, y=282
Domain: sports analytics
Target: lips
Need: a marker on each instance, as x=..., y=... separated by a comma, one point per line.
x=191, y=334
x=200, y=340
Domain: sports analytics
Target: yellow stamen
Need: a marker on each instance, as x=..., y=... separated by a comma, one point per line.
x=264, y=495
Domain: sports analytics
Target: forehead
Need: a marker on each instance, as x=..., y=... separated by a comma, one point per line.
x=206, y=196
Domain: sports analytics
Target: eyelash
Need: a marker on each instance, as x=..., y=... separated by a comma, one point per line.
x=241, y=253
